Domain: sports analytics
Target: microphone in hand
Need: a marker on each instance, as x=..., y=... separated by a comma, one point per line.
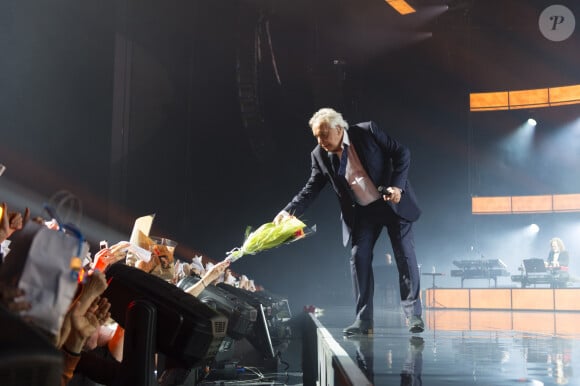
x=383, y=190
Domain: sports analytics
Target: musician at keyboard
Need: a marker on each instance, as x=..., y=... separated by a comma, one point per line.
x=558, y=256
x=558, y=261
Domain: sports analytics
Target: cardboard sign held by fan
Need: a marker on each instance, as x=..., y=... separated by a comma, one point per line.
x=160, y=261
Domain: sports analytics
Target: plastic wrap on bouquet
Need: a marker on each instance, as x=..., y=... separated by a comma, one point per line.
x=271, y=235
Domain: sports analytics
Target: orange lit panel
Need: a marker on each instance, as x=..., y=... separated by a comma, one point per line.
x=566, y=299
x=550, y=323
x=491, y=299
x=489, y=101
x=533, y=299
x=529, y=98
x=489, y=205
x=564, y=95
x=531, y=204
x=447, y=298
x=523, y=99
x=401, y=6
x=526, y=204
x=566, y=202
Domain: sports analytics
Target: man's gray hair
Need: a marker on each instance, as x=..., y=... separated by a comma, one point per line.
x=330, y=116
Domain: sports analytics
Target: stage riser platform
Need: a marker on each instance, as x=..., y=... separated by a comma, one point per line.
x=514, y=299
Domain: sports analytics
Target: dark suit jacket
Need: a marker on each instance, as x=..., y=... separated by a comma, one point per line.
x=386, y=162
x=563, y=258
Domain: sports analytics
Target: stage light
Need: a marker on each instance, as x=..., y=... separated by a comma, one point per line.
x=517, y=147
x=532, y=122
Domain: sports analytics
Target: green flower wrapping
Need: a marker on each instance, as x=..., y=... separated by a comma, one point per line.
x=269, y=235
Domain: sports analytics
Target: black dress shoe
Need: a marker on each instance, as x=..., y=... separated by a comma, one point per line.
x=359, y=327
x=416, y=324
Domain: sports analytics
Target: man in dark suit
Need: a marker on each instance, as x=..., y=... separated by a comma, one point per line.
x=368, y=172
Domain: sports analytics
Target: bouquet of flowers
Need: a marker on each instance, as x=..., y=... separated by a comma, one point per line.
x=271, y=235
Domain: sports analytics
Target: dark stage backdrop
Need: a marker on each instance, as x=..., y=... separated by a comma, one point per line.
x=135, y=106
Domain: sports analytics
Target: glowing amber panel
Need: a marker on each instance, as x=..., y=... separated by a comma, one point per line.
x=483, y=205
x=521, y=299
x=524, y=99
x=401, y=6
x=526, y=204
x=566, y=202
x=566, y=299
x=564, y=95
x=489, y=101
x=447, y=298
x=491, y=298
x=532, y=204
x=551, y=323
x=533, y=299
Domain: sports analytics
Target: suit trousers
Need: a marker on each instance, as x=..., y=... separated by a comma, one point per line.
x=369, y=221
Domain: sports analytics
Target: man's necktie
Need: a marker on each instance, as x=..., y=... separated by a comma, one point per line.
x=343, y=161
x=335, y=162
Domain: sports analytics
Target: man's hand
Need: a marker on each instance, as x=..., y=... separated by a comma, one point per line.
x=283, y=215
x=394, y=194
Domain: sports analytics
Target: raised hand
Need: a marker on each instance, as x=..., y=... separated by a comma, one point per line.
x=11, y=221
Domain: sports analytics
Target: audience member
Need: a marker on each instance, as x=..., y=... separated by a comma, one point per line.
x=213, y=272
x=87, y=323
x=11, y=222
x=83, y=323
x=110, y=255
x=196, y=265
x=229, y=278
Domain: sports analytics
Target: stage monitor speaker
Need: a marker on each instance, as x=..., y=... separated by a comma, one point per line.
x=186, y=330
x=27, y=357
x=270, y=330
x=241, y=316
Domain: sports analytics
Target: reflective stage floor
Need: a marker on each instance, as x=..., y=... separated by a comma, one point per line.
x=464, y=347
